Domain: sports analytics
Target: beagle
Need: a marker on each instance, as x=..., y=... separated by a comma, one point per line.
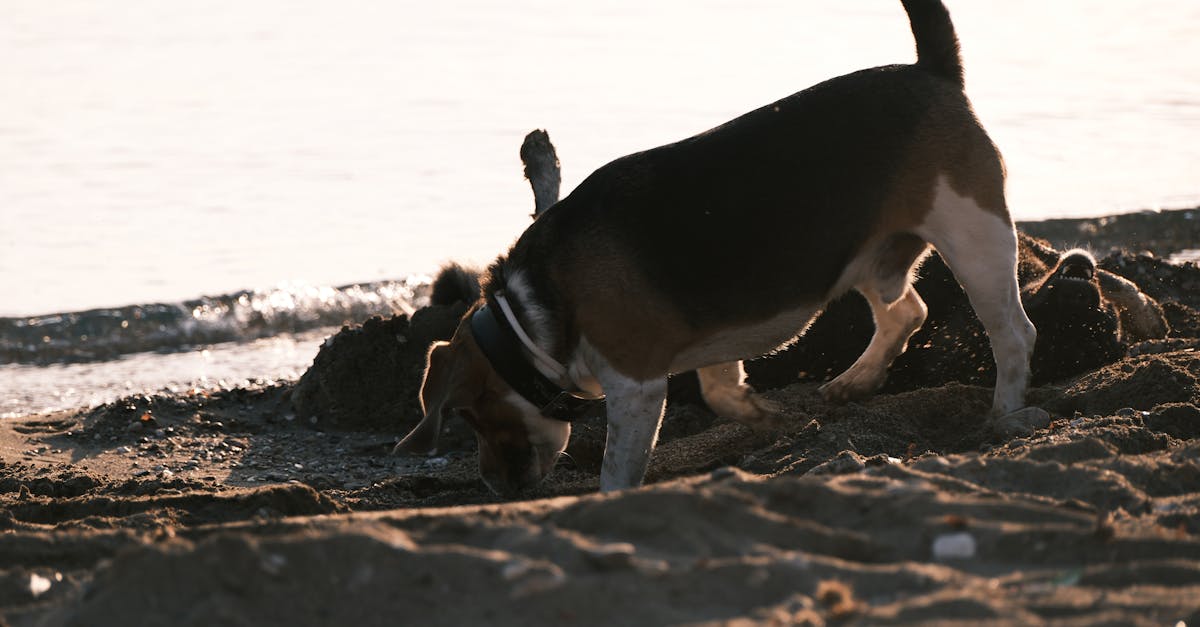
x=725, y=246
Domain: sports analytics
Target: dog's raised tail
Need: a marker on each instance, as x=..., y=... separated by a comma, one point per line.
x=937, y=44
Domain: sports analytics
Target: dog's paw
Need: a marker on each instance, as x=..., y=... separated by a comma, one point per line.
x=743, y=405
x=1020, y=423
x=852, y=385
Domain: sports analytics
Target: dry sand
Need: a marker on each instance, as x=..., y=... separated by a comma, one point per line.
x=234, y=508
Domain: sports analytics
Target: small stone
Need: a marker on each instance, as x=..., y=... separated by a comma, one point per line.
x=38, y=585
x=1022, y=422
x=959, y=545
x=273, y=563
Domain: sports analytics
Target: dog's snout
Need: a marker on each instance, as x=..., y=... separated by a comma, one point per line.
x=509, y=470
x=1076, y=294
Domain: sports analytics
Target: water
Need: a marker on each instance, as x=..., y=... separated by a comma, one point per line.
x=155, y=152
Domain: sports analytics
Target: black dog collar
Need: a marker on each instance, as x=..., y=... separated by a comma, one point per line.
x=502, y=348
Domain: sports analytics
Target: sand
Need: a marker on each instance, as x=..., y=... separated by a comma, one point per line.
x=279, y=504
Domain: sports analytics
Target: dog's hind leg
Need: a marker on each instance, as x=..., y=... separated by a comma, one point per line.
x=724, y=389
x=894, y=323
x=980, y=248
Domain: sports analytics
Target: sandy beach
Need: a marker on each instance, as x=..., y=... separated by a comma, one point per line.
x=280, y=503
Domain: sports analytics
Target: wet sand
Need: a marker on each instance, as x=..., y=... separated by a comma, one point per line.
x=280, y=504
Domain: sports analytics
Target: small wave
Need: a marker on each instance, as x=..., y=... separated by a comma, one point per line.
x=102, y=334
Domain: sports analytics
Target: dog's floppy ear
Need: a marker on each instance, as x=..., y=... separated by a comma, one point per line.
x=442, y=388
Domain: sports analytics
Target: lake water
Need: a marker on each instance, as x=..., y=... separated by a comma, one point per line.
x=158, y=152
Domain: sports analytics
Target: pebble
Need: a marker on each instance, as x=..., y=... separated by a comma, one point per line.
x=273, y=563
x=1022, y=422
x=959, y=545
x=38, y=584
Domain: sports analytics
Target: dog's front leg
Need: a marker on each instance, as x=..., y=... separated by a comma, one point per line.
x=635, y=411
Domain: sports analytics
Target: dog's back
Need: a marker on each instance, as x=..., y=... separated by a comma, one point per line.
x=781, y=199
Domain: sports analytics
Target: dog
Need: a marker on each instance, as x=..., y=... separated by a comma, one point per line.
x=725, y=246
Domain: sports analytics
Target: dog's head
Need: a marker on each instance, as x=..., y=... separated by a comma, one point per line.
x=1078, y=329
x=517, y=445
x=1073, y=281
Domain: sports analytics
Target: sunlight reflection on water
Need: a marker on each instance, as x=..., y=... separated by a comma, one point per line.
x=160, y=152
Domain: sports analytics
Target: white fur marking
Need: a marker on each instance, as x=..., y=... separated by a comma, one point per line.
x=518, y=286
x=539, y=355
x=635, y=410
x=980, y=248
